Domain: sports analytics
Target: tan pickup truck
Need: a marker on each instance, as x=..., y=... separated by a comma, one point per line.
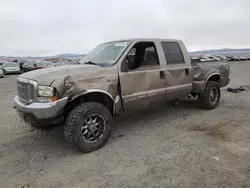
x=115, y=77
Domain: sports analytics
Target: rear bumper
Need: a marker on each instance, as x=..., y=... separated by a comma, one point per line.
x=41, y=114
x=224, y=82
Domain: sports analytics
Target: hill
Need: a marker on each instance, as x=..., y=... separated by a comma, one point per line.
x=69, y=55
x=223, y=51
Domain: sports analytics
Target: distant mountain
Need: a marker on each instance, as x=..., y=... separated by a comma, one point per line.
x=223, y=51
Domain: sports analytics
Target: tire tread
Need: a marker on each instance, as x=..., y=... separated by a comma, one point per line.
x=204, y=97
x=72, y=118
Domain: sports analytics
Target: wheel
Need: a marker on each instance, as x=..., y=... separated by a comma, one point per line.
x=210, y=97
x=4, y=72
x=88, y=126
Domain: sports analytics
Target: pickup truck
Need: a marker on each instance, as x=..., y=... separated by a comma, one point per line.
x=115, y=77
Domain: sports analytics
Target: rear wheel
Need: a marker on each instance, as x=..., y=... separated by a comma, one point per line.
x=210, y=97
x=88, y=126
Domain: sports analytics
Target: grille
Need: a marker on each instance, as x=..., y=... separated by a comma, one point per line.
x=25, y=91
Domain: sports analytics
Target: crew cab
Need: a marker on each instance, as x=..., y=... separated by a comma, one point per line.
x=115, y=77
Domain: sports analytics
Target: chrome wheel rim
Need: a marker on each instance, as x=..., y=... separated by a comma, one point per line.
x=213, y=95
x=93, y=128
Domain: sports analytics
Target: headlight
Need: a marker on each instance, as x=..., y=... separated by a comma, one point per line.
x=46, y=94
x=45, y=91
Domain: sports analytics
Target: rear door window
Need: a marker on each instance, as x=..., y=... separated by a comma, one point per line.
x=173, y=53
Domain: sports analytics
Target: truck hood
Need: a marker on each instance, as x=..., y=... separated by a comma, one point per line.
x=48, y=75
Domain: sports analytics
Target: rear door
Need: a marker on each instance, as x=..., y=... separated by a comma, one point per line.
x=155, y=76
x=178, y=70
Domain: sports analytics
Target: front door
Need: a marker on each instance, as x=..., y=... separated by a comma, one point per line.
x=144, y=82
x=133, y=89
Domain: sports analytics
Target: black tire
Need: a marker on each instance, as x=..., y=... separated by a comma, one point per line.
x=75, y=121
x=204, y=99
x=4, y=72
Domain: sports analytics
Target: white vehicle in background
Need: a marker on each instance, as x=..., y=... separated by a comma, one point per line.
x=1, y=73
x=206, y=59
x=1, y=65
x=213, y=58
x=10, y=68
x=221, y=57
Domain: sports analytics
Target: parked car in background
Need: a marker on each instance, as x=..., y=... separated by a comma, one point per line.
x=28, y=66
x=230, y=58
x=206, y=59
x=243, y=58
x=11, y=68
x=42, y=65
x=61, y=63
x=221, y=57
x=212, y=58
x=195, y=59
x=235, y=58
x=49, y=64
x=1, y=73
x=1, y=65
x=21, y=63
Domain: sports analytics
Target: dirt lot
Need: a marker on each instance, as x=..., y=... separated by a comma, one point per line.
x=159, y=147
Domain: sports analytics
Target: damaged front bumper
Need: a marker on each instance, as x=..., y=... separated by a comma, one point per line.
x=41, y=115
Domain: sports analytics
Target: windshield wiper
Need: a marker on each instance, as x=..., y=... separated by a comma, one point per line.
x=90, y=63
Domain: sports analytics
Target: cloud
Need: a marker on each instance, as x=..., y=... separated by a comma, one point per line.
x=35, y=27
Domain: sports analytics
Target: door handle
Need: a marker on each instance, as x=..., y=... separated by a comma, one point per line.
x=187, y=71
x=162, y=74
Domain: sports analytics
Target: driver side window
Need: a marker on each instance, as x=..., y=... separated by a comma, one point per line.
x=131, y=55
x=142, y=55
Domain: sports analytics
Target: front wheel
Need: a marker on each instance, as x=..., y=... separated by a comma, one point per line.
x=210, y=97
x=88, y=126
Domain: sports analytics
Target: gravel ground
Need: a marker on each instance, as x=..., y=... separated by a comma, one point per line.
x=166, y=146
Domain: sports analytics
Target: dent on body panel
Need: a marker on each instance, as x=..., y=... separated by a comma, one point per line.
x=197, y=73
x=203, y=70
x=201, y=74
x=198, y=79
x=72, y=85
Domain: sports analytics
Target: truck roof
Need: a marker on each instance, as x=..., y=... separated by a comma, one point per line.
x=147, y=39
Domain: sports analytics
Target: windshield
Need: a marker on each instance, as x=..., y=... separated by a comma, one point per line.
x=105, y=54
x=10, y=65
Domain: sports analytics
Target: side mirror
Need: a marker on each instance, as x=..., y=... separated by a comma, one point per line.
x=124, y=66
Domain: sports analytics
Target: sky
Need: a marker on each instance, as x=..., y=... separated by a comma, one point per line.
x=50, y=27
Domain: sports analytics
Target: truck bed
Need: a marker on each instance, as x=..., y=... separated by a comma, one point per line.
x=202, y=71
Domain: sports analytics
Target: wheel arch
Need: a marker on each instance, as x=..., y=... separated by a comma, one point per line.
x=212, y=77
x=91, y=95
